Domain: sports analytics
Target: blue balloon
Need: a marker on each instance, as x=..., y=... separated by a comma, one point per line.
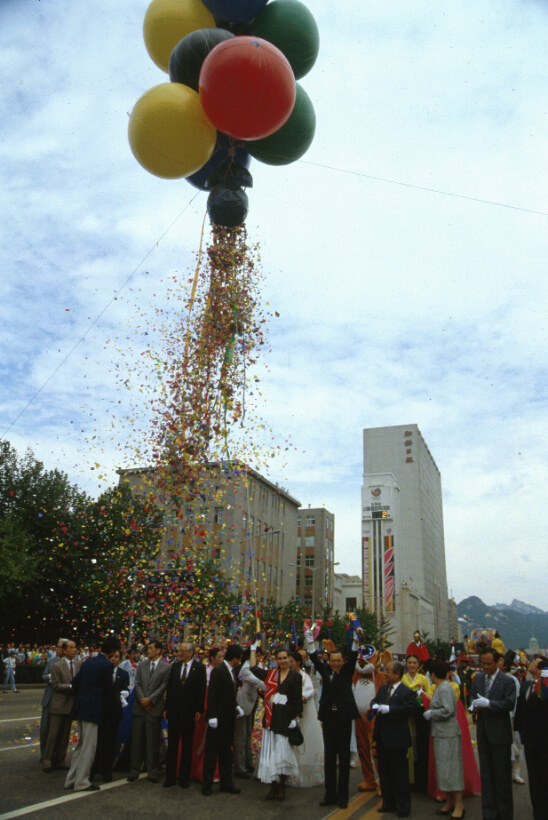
x=222, y=151
x=235, y=11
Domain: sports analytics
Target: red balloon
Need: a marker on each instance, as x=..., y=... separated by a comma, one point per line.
x=247, y=88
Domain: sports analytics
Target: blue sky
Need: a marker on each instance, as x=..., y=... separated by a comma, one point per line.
x=398, y=305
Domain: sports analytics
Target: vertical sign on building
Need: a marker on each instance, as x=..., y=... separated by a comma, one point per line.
x=389, y=574
x=366, y=570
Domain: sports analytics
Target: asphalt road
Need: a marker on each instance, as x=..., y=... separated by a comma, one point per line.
x=25, y=791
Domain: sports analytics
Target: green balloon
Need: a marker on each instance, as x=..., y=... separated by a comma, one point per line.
x=293, y=139
x=290, y=26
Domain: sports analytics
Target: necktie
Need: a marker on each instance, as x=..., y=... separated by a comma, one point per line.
x=71, y=670
x=389, y=694
x=152, y=665
x=488, y=683
x=183, y=678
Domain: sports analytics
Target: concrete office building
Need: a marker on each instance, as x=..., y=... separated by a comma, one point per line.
x=315, y=559
x=248, y=522
x=347, y=593
x=403, y=550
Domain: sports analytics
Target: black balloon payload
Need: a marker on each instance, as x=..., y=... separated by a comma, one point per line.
x=227, y=203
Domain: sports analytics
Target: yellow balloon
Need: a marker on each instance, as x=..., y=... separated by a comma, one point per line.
x=168, y=21
x=169, y=133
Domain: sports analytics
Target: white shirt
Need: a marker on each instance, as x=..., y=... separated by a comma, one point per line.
x=394, y=687
x=188, y=664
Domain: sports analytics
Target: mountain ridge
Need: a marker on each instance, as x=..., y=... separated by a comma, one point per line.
x=517, y=622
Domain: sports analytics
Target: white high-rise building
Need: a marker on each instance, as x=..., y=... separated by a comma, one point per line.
x=403, y=550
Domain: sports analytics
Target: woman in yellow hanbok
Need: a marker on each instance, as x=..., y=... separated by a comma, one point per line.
x=419, y=728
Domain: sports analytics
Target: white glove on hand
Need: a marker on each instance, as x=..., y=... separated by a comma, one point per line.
x=517, y=738
x=544, y=673
x=309, y=637
x=481, y=703
x=123, y=696
x=239, y=712
x=375, y=707
x=355, y=643
x=213, y=723
x=384, y=709
x=293, y=724
x=428, y=714
x=254, y=646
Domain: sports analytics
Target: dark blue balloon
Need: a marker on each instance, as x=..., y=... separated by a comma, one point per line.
x=222, y=152
x=235, y=11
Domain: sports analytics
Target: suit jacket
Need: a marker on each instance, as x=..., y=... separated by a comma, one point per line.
x=184, y=701
x=151, y=687
x=248, y=691
x=338, y=692
x=113, y=705
x=48, y=691
x=221, y=696
x=531, y=719
x=91, y=686
x=494, y=725
x=393, y=729
x=61, y=682
x=444, y=712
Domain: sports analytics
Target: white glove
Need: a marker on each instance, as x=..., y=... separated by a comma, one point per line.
x=293, y=724
x=517, y=738
x=213, y=723
x=428, y=714
x=239, y=713
x=355, y=643
x=375, y=707
x=384, y=709
x=544, y=673
x=309, y=637
x=254, y=646
x=123, y=696
x=481, y=703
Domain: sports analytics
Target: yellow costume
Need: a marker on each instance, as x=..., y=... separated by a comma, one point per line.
x=498, y=645
x=418, y=682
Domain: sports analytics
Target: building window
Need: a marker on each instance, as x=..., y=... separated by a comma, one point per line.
x=309, y=541
x=298, y=520
x=307, y=600
x=218, y=515
x=298, y=559
x=310, y=520
x=309, y=560
x=298, y=540
x=351, y=604
x=298, y=581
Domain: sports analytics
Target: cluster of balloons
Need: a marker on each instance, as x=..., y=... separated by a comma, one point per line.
x=233, y=94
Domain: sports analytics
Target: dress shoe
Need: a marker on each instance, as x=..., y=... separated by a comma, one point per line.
x=131, y=777
x=168, y=784
x=47, y=769
x=384, y=810
x=107, y=778
x=93, y=787
x=184, y=784
x=206, y=791
x=343, y=804
x=443, y=813
x=153, y=779
x=327, y=802
x=230, y=790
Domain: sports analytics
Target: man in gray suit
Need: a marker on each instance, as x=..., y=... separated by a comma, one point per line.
x=61, y=703
x=151, y=681
x=493, y=698
x=46, y=697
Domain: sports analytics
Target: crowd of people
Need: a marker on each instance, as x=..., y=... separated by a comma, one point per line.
x=295, y=717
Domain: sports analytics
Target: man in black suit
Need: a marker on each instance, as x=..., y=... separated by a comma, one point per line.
x=531, y=721
x=393, y=704
x=107, y=735
x=185, y=698
x=222, y=710
x=337, y=713
x=493, y=697
x=91, y=686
